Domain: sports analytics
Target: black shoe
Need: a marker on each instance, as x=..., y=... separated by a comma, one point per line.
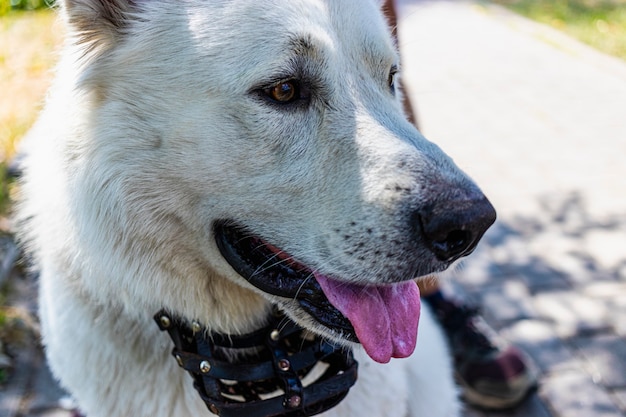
x=492, y=373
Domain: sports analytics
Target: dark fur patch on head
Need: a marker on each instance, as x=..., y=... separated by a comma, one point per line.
x=97, y=24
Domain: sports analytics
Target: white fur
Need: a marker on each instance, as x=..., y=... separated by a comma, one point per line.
x=153, y=130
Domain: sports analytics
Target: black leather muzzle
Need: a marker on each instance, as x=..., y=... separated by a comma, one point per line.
x=279, y=370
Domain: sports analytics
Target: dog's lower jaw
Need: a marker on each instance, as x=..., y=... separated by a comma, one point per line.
x=383, y=318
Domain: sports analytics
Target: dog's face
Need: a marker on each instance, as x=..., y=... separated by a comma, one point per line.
x=260, y=146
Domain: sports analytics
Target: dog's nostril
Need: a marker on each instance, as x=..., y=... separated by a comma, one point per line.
x=452, y=229
x=456, y=242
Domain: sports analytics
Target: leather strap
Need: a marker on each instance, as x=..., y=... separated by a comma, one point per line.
x=265, y=378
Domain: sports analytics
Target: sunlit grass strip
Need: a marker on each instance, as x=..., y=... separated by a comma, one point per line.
x=599, y=23
x=28, y=41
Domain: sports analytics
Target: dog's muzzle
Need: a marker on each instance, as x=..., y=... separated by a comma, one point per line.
x=279, y=370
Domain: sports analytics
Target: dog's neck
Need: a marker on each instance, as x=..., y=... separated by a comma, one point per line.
x=278, y=370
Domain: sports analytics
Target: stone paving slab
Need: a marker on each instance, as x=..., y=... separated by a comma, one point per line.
x=575, y=394
x=620, y=398
x=606, y=357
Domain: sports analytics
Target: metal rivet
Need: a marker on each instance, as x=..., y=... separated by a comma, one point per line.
x=165, y=321
x=179, y=360
x=195, y=327
x=205, y=367
x=284, y=365
x=275, y=335
x=213, y=408
x=294, y=401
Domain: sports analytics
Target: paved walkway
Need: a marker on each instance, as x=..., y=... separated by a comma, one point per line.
x=540, y=122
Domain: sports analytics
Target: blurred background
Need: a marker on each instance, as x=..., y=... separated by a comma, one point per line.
x=529, y=98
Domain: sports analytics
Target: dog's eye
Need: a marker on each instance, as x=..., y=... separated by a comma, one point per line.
x=391, y=80
x=284, y=92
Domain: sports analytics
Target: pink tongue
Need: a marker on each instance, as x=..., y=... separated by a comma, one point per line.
x=385, y=318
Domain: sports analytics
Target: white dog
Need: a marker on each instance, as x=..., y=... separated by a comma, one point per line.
x=222, y=161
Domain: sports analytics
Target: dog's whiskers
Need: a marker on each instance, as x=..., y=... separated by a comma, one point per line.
x=268, y=264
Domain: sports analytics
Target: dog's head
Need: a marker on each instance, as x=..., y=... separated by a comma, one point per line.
x=259, y=148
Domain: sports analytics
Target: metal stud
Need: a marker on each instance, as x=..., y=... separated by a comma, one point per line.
x=179, y=360
x=275, y=335
x=165, y=321
x=213, y=408
x=205, y=367
x=195, y=327
x=284, y=365
x=294, y=401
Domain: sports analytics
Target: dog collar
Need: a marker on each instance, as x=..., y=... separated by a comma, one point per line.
x=279, y=370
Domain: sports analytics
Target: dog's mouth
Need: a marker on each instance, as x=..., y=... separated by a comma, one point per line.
x=383, y=318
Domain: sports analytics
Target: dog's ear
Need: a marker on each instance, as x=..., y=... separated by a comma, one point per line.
x=98, y=23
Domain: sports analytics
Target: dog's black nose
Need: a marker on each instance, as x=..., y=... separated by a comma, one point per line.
x=453, y=228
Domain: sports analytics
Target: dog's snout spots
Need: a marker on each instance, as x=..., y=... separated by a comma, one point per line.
x=368, y=245
x=452, y=229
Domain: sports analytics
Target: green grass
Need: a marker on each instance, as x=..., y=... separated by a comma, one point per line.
x=599, y=23
x=6, y=6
